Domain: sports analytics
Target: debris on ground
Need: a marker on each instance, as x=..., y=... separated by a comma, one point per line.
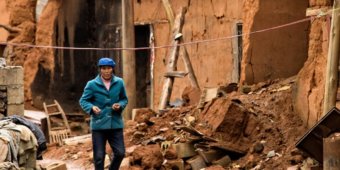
x=236, y=130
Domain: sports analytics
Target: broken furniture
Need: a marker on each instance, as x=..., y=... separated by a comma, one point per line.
x=57, y=131
x=312, y=141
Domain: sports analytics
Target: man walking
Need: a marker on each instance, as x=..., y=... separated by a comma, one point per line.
x=104, y=98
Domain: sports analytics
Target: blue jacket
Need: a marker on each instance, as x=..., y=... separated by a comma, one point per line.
x=96, y=94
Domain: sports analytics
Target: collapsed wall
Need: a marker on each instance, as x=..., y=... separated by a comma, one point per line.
x=276, y=53
x=310, y=86
x=24, y=30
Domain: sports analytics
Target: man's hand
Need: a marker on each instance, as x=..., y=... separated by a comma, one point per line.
x=116, y=106
x=96, y=110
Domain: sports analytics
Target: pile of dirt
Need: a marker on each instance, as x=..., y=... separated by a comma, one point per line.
x=257, y=129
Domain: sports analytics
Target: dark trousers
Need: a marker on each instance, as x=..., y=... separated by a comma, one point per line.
x=115, y=138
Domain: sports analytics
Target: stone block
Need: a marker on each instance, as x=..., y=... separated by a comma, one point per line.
x=15, y=109
x=196, y=162
x=11, y=75
x=14, y=75
x=185, y=150
x=15, y=94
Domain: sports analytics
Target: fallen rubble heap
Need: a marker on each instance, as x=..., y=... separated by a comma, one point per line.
x=253, y=127
x=236, y=131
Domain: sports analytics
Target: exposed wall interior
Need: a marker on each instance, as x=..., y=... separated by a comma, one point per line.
x=212, y=62
x=310, y=86
x=80, y=24
x=278, y=53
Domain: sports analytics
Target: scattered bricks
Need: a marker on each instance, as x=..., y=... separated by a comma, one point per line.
x=224, y=161
x=15, y=94
x=185, y=150
x=15, y=109
x=211, y=155
x=196, y=163
x=175, y=164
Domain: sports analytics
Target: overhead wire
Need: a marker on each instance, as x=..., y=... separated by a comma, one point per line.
x=322, y=14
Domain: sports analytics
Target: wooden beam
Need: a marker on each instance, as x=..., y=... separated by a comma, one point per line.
x=179, y=74
x=169, y=12
x=128, y=56
x=186, y=59
x=331, y=84
x=172, y=62
x=77, y=140
x=318, y=11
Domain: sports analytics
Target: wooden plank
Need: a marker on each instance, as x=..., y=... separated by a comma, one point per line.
x=318, y=11
x=179, y=74
x=77, y=140
x=331, y=85
x=173, y=57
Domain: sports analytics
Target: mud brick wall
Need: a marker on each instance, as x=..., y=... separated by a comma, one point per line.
x=11, y=91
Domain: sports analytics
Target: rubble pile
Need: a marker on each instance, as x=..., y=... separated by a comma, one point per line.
x=237, y=131
x=254, y=127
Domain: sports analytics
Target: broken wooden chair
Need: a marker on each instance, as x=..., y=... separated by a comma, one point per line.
x=57, y=131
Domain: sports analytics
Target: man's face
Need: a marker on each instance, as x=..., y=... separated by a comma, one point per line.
x=106, y=72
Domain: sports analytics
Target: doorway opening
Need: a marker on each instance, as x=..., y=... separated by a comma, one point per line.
x=143, y=66
x=237, y=52
x=2, y=50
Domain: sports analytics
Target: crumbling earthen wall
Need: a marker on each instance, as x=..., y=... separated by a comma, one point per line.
x=45, y=36
x=212, y=61
x=309, y=92
x=22, y=18
x=4, y=19
x=276, y=53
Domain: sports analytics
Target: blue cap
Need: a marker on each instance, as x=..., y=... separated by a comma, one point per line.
x=106, y=62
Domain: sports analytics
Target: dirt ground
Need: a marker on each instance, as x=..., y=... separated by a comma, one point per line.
x=260, y=130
